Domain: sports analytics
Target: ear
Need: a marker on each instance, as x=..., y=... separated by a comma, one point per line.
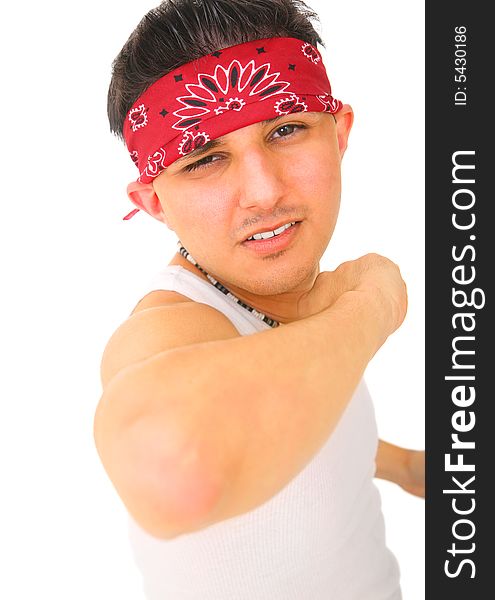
x=144, y=197
x=343, y=123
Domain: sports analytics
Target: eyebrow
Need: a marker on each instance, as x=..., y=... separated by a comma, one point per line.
x=215, y=143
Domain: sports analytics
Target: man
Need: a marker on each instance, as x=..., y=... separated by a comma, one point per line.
x=234, y=422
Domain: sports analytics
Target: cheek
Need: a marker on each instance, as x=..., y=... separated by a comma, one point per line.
x=205, y=209
x=208, y=208
x=317, y=181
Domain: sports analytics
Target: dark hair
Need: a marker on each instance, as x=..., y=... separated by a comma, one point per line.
x=179, y=31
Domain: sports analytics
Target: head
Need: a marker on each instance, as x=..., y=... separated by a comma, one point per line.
x=253, y=178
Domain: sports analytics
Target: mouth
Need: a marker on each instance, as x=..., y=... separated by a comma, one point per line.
x=266, y=241
x=265, y=234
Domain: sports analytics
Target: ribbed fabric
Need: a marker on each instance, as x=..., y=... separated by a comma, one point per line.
x=322, y=537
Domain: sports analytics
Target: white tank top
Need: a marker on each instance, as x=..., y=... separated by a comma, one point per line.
x=322, y=537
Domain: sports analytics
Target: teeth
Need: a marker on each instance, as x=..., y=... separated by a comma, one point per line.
x=264, y=235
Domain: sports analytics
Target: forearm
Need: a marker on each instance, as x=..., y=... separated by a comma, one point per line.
x=391, y=462
x=252, y=410
x=302, y=388
x=402, y=466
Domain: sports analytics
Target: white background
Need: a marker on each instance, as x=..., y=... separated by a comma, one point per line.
x=72, y=271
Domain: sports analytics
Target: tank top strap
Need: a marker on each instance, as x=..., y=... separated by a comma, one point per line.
x=177, y=279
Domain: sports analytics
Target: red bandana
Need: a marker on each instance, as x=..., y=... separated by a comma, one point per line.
x=222, y=92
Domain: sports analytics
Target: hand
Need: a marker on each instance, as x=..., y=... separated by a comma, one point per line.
x=414, y=475
x=373, y=274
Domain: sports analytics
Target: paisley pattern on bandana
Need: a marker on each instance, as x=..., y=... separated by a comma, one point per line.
x=231, y=104
x=330, y=103
x=221, y=92
x=290, y=105
x=192, y=141
x=155, y=164
x=311, y=52
x=138, y=117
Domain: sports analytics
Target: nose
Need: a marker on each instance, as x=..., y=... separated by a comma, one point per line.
x=259, y=179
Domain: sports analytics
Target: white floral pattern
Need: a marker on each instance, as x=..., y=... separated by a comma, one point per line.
x=249, y=82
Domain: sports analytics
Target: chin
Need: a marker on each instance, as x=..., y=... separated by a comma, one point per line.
x=280, y=280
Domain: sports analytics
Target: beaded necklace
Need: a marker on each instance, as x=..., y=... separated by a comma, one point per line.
x=227, y=292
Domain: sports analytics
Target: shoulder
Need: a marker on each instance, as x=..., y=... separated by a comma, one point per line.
x=162, y=321
x=159, y=298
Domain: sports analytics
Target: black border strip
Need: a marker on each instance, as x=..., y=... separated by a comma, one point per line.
x=462, y=124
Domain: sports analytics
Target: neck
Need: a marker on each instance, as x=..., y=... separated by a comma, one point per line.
x=281, y=307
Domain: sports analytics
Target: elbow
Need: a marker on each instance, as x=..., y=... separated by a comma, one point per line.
x=171, y=492
x=160, y=475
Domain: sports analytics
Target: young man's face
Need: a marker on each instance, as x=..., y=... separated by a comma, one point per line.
x=258, y=178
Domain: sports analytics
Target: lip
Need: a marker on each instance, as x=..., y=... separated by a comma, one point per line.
x=275, y=243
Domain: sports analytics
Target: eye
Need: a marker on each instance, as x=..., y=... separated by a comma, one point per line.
x=201, y=163
x=288, y=128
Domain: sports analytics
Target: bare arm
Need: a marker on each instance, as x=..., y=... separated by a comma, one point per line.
x=401, y=466
x=197, y=434
x=228, y=423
